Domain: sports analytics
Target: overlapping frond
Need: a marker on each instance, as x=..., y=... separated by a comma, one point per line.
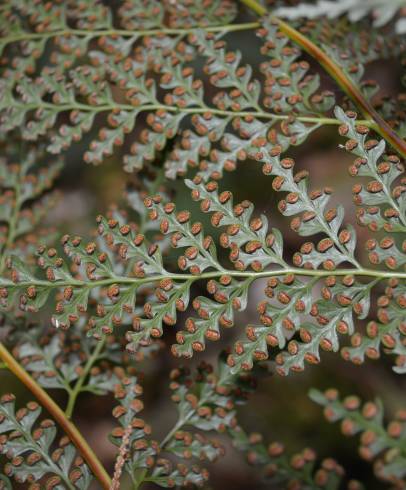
x=102, y=73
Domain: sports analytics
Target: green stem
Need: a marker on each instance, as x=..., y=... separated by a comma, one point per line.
x=211, y=275
x=335, y=71
x=181, y=422
x=59, y=416
x=323, y=121
x=32, y=36
x=399, y=444
x=76, y=390
x=140, y=478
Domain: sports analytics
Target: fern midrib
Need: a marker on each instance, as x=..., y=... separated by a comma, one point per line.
x=32, y=36
x=364, y=272
x=186, y=110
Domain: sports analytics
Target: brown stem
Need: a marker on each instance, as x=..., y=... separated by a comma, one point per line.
x=57, y=413
x=347, y=85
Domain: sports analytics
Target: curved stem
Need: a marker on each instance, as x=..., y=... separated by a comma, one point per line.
x=346, y=84
x=58, y=415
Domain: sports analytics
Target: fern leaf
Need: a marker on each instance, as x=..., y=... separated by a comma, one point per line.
x=383, y=444
x=381, y=191
x=28, y=447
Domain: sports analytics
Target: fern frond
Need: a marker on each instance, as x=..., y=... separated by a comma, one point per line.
x=28, y=447
x=109, y=82
x=384, y=446
x=252, y=246
x=25, y=199
x=284, y=470
x=387, y=333
x=147, y=460
x=384, y=170
x=56, y=361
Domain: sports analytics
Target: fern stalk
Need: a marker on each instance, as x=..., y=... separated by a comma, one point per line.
x=57, y=413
